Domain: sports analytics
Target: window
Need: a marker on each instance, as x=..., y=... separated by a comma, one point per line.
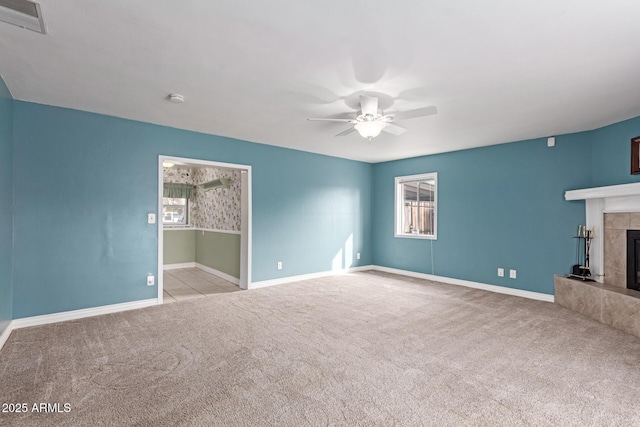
x=175, y=211
x=416, y=206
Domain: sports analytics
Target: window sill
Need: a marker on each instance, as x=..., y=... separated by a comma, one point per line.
x=415, y=236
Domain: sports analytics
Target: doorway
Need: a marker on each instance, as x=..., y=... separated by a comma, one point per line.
x=214, y=231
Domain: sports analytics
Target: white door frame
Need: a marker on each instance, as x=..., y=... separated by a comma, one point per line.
x=245, y=226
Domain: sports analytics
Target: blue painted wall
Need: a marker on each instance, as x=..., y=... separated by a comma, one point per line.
x=612, y=153
x=85, y=182
x=499, y=206
x=6, y=205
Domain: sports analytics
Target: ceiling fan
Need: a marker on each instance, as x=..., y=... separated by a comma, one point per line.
x=369, y=123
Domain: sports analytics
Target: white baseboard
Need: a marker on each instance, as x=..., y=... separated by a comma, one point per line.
x=5, y=335
x=469, y=284
x=220, y=274
x=114, y=308
x=79, y=314
x=180, y=265
x=492, y=288
x=289, y=279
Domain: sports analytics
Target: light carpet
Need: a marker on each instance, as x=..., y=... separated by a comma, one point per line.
x=363, y=349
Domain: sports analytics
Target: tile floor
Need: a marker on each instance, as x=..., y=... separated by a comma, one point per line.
x=186, y=283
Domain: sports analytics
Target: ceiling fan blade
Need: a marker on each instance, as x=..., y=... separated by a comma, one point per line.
x=332, y=120
x=420, y=112
x=394, y=129
x=369, y=105
x=347, y=132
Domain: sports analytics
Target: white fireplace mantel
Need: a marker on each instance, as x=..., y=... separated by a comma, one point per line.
x=621, y=190
x=601, y=200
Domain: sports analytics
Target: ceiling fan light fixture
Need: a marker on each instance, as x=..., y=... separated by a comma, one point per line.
x=370, y=129
x=371, y=121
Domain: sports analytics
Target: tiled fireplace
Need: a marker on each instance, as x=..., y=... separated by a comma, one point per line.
x=612, y=211
x=616, y=225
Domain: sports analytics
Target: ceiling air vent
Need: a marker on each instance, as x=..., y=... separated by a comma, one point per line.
x=23, y=13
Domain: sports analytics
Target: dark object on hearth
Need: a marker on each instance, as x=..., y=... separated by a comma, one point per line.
x=633, y=259
x=581, y=270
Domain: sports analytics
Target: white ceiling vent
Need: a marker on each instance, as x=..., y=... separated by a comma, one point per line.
x=23, y=13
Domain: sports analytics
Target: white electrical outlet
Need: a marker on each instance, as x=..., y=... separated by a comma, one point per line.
x=501, y=272
x=358, y=255
x=279, y=265
x=151, y=280
x=151, y=218
x=512, y=274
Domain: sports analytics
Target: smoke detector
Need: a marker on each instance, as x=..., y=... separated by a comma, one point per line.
x=23, y=13
x=174, y=97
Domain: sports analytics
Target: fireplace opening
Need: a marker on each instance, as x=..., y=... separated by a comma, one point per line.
x=633, y=259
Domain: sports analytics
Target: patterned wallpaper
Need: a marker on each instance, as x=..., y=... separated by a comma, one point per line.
x=218, y=208
x=177, y=176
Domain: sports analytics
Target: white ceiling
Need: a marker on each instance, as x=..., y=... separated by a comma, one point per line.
x=497, y=70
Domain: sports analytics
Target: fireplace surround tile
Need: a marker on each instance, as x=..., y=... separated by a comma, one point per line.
x=572, y=295
x=617, y=221
x=617, y=280
x=615, y=256
x=634, y=220
x=621, y=312
x=619, y=308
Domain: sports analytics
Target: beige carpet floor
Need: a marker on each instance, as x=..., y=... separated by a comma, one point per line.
x=364, y=349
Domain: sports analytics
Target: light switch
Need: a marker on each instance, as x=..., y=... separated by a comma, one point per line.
x=151, y=218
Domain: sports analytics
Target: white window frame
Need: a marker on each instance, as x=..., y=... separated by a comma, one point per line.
x=187, y=222
x=398, y=206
